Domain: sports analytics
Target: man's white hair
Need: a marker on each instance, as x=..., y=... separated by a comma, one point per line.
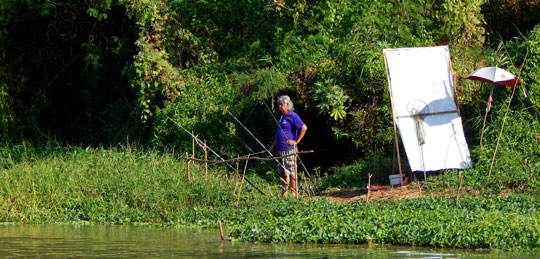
x=287, y=101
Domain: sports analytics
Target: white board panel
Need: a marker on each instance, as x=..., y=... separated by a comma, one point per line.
x=424, y=106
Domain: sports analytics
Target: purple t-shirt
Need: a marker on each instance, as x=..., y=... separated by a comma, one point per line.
x=289, y=124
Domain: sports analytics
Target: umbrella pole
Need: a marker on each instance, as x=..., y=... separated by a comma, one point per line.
x=506, y=114
x=485, y=116
x=500, y=132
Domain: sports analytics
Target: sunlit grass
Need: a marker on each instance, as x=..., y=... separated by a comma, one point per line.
x=109, y=185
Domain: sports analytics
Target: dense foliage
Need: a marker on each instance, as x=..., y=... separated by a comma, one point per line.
x=63, y=71
x=104, y=71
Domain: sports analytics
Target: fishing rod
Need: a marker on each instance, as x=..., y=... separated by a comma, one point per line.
x=261, y=144
x=251, y=150
x=238, y=138
x=244, y=143
x=213, y=152
x=264, y=147
x=301, y=162
x=256, y=139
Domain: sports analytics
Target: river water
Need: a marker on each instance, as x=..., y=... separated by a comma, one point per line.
x=105, y=241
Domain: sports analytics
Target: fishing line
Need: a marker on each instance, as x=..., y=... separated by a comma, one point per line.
x=244, y=143
x=214, y=153
x=236, y=136
x=248, y=131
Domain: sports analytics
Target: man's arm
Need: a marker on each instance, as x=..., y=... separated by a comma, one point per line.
x=303, y=130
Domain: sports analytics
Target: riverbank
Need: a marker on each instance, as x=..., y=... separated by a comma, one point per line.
x=128, y=186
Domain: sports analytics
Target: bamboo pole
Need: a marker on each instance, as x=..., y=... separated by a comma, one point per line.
x=500, y=132
x=454, y=84
x=237, y=166
x=506, y=114
x=460, y=180
x=188, y=162
x=394, y=159
x=241, y=180
x=296, y=171
x=193, y=151
x=221, y=230
x=369, y=187
x=246, y=158
x=205, y=149
x=393, y=120
x=205, y=163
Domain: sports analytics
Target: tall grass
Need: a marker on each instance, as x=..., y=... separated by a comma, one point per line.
x=107, y=185
x=516, y=165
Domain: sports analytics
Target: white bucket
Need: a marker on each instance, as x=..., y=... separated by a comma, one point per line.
x=394, y=179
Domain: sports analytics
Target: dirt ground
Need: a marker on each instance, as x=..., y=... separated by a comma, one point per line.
x=412, y=190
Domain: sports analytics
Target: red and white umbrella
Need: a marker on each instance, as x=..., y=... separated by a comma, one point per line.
x=497, y=76
x=494, y=75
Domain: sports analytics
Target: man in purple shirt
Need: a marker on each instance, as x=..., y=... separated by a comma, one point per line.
x=290, y=131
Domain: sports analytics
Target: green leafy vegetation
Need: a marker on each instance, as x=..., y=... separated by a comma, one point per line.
x=487, y=222
x=127, y=186
x=133, y=63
